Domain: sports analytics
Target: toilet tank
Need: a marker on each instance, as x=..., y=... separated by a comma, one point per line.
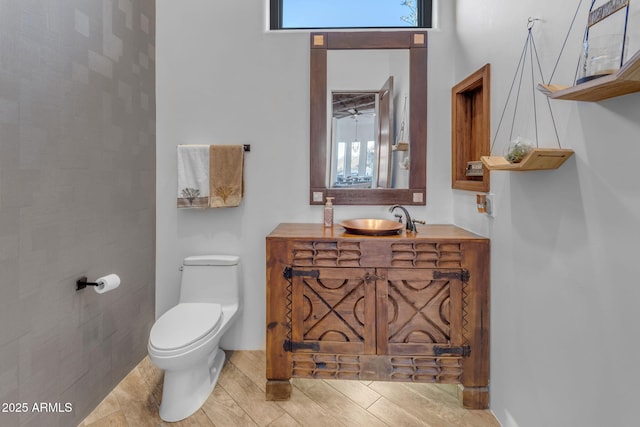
x=210, y=278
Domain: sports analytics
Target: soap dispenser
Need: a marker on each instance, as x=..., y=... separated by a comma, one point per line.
x=328, y=212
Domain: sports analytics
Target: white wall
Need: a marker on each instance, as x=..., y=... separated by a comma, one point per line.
x=564, y=243
x=564, y=274
x=222, y=79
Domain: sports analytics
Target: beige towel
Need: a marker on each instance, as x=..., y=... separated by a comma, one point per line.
x=226, y=176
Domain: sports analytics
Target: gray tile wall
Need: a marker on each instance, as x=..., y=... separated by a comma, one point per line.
x=77, y=197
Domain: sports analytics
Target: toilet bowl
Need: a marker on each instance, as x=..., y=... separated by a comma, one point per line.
x=184, y=341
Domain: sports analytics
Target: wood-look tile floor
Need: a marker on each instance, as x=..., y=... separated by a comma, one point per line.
x=238, y=400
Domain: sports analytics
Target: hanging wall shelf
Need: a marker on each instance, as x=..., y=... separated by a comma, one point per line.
x=625, y=80
x=537, y=159
x=623, y=76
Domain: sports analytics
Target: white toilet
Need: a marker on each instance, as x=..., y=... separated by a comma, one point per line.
x=184, y=340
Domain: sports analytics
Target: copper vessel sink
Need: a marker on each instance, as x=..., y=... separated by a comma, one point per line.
x=372, y=227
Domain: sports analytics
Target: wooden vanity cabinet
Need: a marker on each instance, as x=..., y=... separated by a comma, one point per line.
x=410, y=307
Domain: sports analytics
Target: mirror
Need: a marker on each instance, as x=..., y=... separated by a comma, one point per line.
x=367, y=90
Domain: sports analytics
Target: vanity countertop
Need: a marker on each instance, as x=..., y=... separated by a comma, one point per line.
x=429, y=232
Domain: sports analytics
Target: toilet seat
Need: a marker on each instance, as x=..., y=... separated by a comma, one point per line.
x=185, y=326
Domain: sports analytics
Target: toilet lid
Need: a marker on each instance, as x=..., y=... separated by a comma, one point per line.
x=185, y=324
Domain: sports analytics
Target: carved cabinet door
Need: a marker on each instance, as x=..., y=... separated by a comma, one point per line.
x=417, y=310
x=333, y=310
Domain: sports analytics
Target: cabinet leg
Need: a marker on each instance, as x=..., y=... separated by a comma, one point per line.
x=475, y=397
x=278, y=390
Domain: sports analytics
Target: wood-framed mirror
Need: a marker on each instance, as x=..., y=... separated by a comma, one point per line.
x=321, y=143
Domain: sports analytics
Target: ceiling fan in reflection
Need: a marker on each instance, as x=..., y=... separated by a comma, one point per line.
x=355, y=113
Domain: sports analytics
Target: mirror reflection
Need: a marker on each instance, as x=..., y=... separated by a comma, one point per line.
x=354, y=147
x=367, y=105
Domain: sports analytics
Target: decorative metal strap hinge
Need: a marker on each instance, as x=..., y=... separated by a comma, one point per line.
x=460, y=275
x=289, y=273
x=464, y=351
x=293, y=346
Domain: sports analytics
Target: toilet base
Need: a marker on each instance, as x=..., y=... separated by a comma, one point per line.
x=185, y=391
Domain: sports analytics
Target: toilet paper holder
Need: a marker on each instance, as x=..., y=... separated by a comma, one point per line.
x=82, y=283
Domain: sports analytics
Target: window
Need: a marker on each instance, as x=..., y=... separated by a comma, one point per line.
x=355, y=165
x=319, y=14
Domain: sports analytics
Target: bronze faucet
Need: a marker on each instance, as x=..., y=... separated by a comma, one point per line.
x=410, y=224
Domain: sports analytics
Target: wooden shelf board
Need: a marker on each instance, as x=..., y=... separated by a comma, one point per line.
x=625, y=80
x=537, y=159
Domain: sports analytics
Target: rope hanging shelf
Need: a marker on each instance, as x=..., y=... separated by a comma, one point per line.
x=402, y=142
x=535, y=158
x=624, y=80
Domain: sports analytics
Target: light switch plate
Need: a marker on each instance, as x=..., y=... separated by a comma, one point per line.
x=491, y=205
